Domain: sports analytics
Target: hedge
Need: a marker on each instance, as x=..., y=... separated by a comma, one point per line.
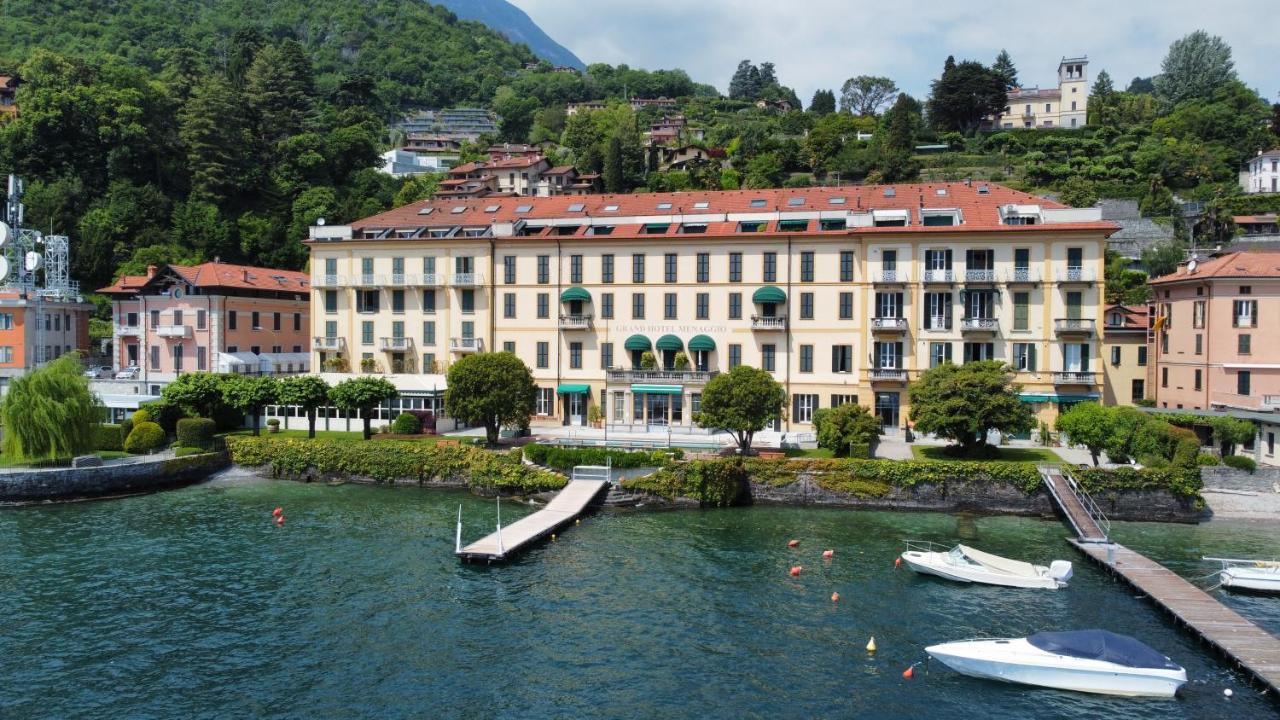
x=562, y=458
x=393, y=460
x=713, y=483
x=196, y=432
x=145, y=437
x=1240, y=462
x=107, y=437
x=406, y=424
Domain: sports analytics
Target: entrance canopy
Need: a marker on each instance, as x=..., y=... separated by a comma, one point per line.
x=656, y=389
x=701, y=343
x=670, y=342
x=769, y=294
x=575, y=293
x=637, y=342
x=573, y=389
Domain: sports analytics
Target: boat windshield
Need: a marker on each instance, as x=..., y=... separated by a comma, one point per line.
x=1102, y=645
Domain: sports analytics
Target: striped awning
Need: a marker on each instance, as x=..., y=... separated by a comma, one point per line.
x=701, y=342
x=637, y=342
x=670, y=342
x=657, y=389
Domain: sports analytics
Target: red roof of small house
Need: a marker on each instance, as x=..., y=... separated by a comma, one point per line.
x=1238, y=264
x=220, y=275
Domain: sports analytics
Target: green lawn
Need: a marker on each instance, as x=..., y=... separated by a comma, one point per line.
x=814, y=453
x=937, y=452
x=8, y=462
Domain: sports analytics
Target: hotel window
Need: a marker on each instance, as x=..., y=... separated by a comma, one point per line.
x=508, y=305
x=771, y=267
x=704, y=267
x=155, y=319
x=637, y=306
x=606, y=268
x=887, y=355
x=1115, y=355
x=429, y=332
x=888, y=305
x=695, y=403
x=1138, y=390
x=397, y=330
x=1245, y=313
x=366, y=269
x=1021, y=310
x=939, y=353
x=975, y=352
x=846, y=266
x=768, y=357
x=735, y=267
x=366, y=332
x=201, y=357
x=575, y=269
x=429, y=363
x=544, y=269
x=1244, y=343
x=1197, y=314
x=1074, y=301
x=606, y=306
x=669, y=267
x=366, y=302
x=429, y=267
x=806, y=306
x=1198, y=379
x=735, y=356
x=804, y=405
x=297, y=320
x=838, y=400
x=545, y=401
x=543, y=349
x=1242, y=382
x=637, y=267
x=177, y=358
x=330, y=268
x=806, y=358
x=1142, y=356
x=619, y=407
x=1164, y=377
x=841, y=358
x=1199, y=344
x=509, y=346
x=544, y=306
x=202, y=320
x=937, y=311
x=397, y=303
x=806, y=267
x=735, y=306
x=606, y=355
x=846, y=306
x=704, y=306
x=575, y=356
x=429, y=302
x=1024, y=357
x=256, y=320
x=669, y=306
x=509, y=269
x=331, y=328
x=468, y=302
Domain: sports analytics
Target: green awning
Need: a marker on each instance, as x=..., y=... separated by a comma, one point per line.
x=573, y=389
x=637, y=342
x=769, y=294
x=701, y=342
x=1057, y=398
x=657, y=389
x=670, y=342
x=1034, y=398
x=575, y=293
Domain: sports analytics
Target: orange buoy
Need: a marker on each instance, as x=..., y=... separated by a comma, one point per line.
x=828, y=553
x=280, y=520
x=795, y=571
x=897, y=562
x=835, y=597
x=793, y=543
x=909, y=672
x=277, y=512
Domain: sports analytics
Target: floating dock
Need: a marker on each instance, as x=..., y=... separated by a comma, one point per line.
x=1252, y=649
x=564, y=508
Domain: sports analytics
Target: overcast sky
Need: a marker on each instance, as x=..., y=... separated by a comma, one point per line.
x=817, y=44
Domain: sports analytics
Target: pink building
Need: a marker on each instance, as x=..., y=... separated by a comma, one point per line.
x=210, y=317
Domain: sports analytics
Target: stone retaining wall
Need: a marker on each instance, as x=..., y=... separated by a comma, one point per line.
x=142, y=475
x=1228, y=478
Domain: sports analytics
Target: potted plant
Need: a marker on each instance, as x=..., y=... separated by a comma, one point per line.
x=681, y=361
x=368, y=365
x=593, y=415
x=336, y=365
x=273, y=425
x=648, y=361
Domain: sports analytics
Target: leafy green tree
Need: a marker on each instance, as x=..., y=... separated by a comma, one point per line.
x=840, y=428
x=1100, y=99
x=200, y=227
x=491, y=389
x=1087, y=424
x=743, y=402
x=823, y=103
x=963, y=403
x=362, y=395
x=865, y=95
x=965, y=95
x=249, y=394
x=1079, y=192
x=1194, y=67
x=1228, y=432
x=307, y=392
x=745, y=83
x=1125, y=286
x=49, y=412
x=418, y=187
x=1163, y=258
x=1003, y=67
x=278, y=86
x=614, y=176
x=764, y=171
x=215, y=135
x=198, y=393
x=1141, y=86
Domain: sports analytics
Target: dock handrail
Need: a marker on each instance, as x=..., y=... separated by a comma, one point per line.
x=1081, y=495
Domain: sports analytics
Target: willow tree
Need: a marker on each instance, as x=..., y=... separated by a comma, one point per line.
x=49, y=413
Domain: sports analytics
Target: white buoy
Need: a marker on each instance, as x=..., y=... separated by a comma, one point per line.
x=1228, y=692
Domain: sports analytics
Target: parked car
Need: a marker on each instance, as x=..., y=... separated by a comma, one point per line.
x=98, y=371
x=129, y=373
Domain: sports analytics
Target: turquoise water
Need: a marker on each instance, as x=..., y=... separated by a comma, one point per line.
x=192, y=604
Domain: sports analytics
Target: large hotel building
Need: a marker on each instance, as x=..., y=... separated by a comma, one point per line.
x=631, y=303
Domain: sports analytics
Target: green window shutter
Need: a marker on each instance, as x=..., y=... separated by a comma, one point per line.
x=1031, y=357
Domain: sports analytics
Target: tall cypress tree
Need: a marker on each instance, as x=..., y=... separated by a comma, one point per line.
x=614, y=176
x=1003, y=67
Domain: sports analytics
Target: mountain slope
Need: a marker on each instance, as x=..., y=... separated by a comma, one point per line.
x=517, y=26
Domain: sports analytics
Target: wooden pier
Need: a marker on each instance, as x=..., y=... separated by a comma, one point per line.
x=1252, y=649
x=564, y=508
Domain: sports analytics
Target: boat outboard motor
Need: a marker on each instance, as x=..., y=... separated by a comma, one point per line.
x=1061, y=571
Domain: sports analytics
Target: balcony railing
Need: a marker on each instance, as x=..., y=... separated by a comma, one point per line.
x=397, y=344
x=937, y=323
x=1073, y=326
x=328, y=281
x=128, y=330
x=778, y=322
x=939, y=276
x=368, y=281
x=328, y=343
x=466, y=344
x=1271, y=402
x=1076, y=275
x=173, y=331
x=1073, y=377
x=979, y=325
x=470, y=279
x=888, y=375
x=575, y=322
x=682, y=377
x=979, y=276
x=889, y=324
x=890, y=277
x=1022, y=276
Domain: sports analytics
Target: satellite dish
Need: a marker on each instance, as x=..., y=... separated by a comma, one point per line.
x=320, y=222
x=177, y=292
x=5, y=233
x=1191, y=266
x=4, y=267
x=32, y=261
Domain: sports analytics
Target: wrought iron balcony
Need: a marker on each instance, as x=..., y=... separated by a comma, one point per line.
x=128, y=330
x=889, y=324
x=986, y=325
x=939, y=276
x=575, y=322
x=776, y=322
x=937, y=323
x=1023, y=276
x=397, y=344
x=681, y=377
x=976, y=275
x=329, y=281
x=1076, y=275
x=330, y=344
x=368, y=281
x=889, y=277
x=1073, y=377
x=895, y=375
x=173, y=331
x=1073, y=326
x=470, y=279
x=466, y=344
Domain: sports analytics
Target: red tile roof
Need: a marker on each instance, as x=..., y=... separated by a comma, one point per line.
x=1231, y=265
x=221, y=275
x=1269, y=219
x=1135, y=317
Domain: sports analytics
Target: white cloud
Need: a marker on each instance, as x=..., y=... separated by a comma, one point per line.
x=817, y=44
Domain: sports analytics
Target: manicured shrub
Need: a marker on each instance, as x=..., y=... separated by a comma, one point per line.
x=406, y=424
x=196, y=432
x=566, y=458
x=145, y=437
x=1240, y=462
x=141, y=415
x=126, y=427
x=1186, y=450
x=1205, y=460
x=860, y=451
x=713, y=483
x=107, y=437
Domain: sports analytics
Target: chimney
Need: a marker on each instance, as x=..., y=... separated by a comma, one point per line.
x=246, y=275
x=151, y=271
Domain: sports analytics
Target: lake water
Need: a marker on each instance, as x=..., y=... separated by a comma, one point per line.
x=193, y=604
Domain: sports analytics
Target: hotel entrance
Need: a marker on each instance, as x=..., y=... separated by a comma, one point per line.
x=574, y=400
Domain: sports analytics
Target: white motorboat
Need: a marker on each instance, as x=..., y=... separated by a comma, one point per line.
x=1092, y=661
x=965, y=564
x=1256, y=575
